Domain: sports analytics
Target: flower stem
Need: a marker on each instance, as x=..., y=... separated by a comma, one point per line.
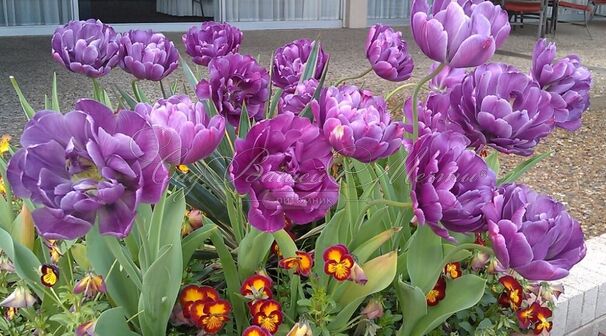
x=415, y=100
x=467, y=246
x=398, y=89
x=162, y=89
x=354, y=77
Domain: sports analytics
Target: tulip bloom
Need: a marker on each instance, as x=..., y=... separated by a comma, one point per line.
x=499, y=106
x=87, y=165
x=211, y=40
x=235, y=81
x=449, y=183
x=267, y=314
x=357, y=123
x=282, y=165
x=297, y=98
x=148, y=55
x=301, y=263
x=87, y=47
x=533, y=234
x=290, y=61
x=437, y=293
x=459, y=33
x=566, y=80
x=184, y=130
x=388, y=53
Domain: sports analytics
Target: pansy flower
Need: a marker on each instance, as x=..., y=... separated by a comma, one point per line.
x=528, y=315
x=210, y=315
x=50, y=275
x=301, y=263
x=2, y=186
x=256, y=287
x=193, y=293
x=543, y=325
x=338, y=263
x=514, y=293
x=53, y=250
x=255, y=331
x=5, y=143
x=453, y=270
x=300, y=329
x=267, y=314
x=90, y=285
x=437, y=293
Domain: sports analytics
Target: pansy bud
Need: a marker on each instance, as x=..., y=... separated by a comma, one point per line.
x=479, y=260
x=19, y=298
x=195, y=218
x=373, y=310
x=357, y=275
x=300, y=329
x=90, y=285
x=86, y=329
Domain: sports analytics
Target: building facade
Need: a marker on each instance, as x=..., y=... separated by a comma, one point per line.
x=36, y=17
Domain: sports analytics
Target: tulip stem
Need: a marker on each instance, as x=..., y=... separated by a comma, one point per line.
x=467, y=246
x=399, y=88
x=415, y=100
x=354, y=77
x=385, y=202
x=162, y=89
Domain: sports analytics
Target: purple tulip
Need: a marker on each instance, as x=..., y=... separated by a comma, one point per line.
x=296, y=99
x=566, y=79
x=148, y=55
x=388, y=54
x=449, y=183
x=86, y=47
x=185, y=132
x=432, y=116
x=236, y=80
x=357, y=123
x=533, y=234
x=290, y=60
x=447, y=79
x=499, y=106
x=211, y=40
x=282, y=165
x=461, y=34
x=87, y=165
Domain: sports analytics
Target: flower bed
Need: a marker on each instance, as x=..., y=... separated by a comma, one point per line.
x=275, y=203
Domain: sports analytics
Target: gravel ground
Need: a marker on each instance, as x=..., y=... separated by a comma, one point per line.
x=574, y=174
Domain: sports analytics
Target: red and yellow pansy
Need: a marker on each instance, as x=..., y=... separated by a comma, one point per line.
x=338, y=263
x=204, y=308
x=267, y=314
x=453, y=270
x=256, y=287
x=437, y=293
x=513, y=295
x=528, y=315
x=543, y=324
x=301, y=263
x=255, y=331
x=50, y=275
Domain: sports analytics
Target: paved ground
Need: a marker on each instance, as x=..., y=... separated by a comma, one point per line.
x=575, y=174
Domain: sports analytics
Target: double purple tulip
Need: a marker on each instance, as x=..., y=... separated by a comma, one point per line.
x=388, y=54
x=234, y=81
x=148, y=55
x=533, y=234
x=566, y=80
x=499, y=106
x=87, y=47
x=87, y=165
x=449, y=183
x=282, y=165
x=357, y=123
x=461, y=33
x=290, y=61
x=297, y=100
x=185, y=132
x=211, y=40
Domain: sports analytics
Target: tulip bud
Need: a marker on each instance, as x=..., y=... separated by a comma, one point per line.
x=19, y=298
x=373, y=310
x=357, y=275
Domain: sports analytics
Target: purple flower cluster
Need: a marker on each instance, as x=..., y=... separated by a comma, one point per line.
x=211, y=40
x=533, y=234
x=282, y=165
x=297, y=100
x=357, y=123
x=566, y=80
x=388, y=53
x=87, y=165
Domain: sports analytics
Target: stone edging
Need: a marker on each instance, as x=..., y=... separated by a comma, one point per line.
x=581, y=310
